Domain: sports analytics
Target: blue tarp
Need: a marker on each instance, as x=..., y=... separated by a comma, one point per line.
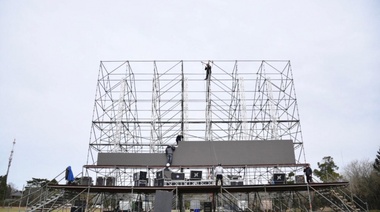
x=69, y=174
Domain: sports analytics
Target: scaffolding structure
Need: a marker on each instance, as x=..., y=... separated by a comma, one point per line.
x=142, y=106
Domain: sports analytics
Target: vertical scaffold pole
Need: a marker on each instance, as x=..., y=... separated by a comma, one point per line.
x=182, y=100
x=208, y=109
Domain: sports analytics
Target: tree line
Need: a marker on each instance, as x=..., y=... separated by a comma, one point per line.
x=363, y=177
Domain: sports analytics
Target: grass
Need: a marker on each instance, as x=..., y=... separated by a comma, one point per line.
x=22, y=209
x=11, y=209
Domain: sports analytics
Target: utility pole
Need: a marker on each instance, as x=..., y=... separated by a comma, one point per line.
x=5, y=178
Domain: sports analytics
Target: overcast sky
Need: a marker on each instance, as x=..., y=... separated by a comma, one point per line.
x=50, y=53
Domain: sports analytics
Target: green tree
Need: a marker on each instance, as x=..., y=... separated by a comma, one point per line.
x=37, y=182
x=6, y=190
x=3, y=188
x=327, y=170
x=290, y=178
x=376, y=164
x=35, y=187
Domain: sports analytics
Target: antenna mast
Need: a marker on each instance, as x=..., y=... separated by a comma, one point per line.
x=10, y=157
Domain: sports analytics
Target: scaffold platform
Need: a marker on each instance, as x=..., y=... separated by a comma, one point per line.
x=201, y=189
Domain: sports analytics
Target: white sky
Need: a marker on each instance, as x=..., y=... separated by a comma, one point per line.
x=50, y=53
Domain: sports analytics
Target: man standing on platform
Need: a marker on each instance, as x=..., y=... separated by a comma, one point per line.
x=218, y=173
x=69, y=176
x=169, y=154
x=308, y=173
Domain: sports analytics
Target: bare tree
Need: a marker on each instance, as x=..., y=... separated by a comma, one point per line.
x=364, y=181
x=356, y=172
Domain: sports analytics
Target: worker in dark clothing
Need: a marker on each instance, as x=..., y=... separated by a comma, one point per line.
x=169, y=154
x=208, y=70
x=308, y=173
x=179, y=138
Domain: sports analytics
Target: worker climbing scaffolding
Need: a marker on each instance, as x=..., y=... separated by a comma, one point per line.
x=208, y=71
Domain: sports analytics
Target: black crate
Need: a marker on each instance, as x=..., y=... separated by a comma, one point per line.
x=139, y=176
x=159, y=182
x=110, y=181
x=160, y=175
x=100, y=181
x=178, y=176
x=300, y=179
x=86, y=181
x=236, y=182
x=279, y=178
x=195, y=175
x=141, y=183
x=207, y=206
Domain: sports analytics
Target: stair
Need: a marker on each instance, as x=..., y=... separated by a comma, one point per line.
x=55, y=200
x=344, y=202
x=230, y=200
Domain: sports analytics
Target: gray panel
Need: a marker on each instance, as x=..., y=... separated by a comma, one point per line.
x=152, y=159
x=206, y=153
x=163, y=201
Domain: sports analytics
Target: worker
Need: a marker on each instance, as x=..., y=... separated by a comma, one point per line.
x=178, y=139
x=169, y=155
x=208, y=70
x=308, y=173
x=218, y=173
